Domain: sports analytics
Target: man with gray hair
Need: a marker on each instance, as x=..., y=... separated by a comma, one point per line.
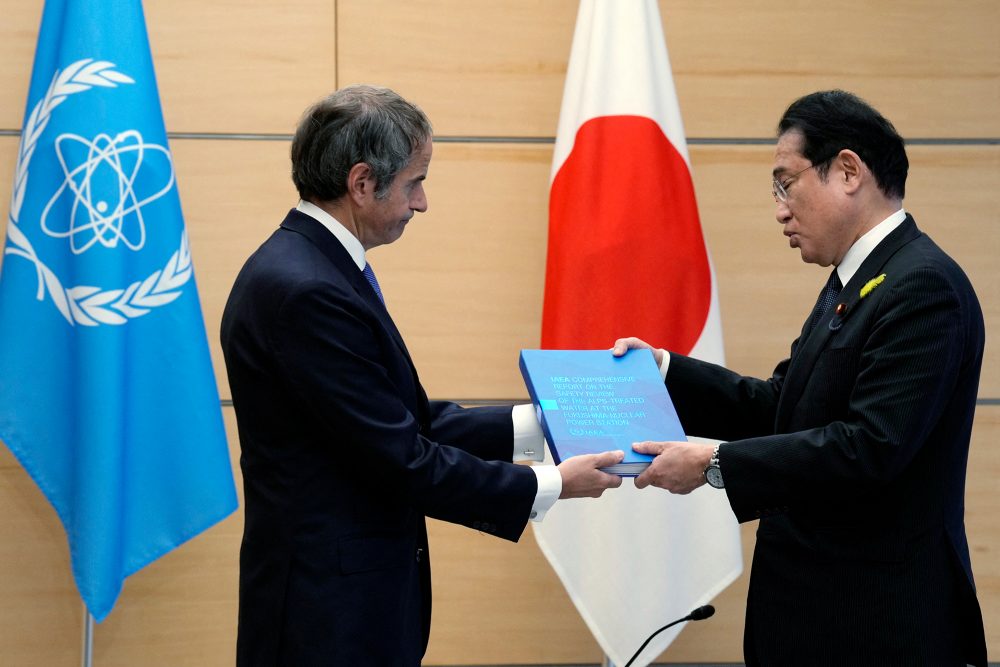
x=343, y=455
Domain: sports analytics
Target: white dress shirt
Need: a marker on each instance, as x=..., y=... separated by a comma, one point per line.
x=863, y=247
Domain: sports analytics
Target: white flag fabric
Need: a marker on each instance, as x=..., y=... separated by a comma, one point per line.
x=626, y=256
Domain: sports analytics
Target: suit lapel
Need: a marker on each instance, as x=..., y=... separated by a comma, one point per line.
x=321, y=237
x=812, y=343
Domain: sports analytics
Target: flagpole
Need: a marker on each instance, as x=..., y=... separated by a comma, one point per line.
x=88, y=638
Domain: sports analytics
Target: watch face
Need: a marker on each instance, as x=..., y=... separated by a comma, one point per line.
x=714, y=477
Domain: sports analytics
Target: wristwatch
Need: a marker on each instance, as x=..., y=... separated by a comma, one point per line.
x=713, y=473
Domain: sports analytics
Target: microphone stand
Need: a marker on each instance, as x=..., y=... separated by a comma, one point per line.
x=698, y=614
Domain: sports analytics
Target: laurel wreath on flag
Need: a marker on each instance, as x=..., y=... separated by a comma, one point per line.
x=88, y=305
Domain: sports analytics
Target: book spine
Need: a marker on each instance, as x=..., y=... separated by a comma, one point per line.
x=539, y=413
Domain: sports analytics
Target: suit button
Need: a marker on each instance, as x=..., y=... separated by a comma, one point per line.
x=477, y=525
x=420, y=555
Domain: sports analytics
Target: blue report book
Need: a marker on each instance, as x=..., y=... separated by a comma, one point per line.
x=589, y=401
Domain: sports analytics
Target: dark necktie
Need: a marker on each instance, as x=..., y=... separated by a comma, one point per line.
x=826, y=298
x=370, y=277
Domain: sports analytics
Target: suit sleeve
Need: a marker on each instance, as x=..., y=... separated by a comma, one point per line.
x=337, y=361
x=485, y=432
x=909, y=355
x=714, y=402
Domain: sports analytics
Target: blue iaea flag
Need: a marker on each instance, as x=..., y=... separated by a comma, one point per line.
x=107, y=395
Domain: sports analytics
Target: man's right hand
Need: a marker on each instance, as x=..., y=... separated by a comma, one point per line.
x=582, y=479
x=623, y=345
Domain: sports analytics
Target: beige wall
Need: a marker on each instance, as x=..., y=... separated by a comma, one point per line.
x=496, y=69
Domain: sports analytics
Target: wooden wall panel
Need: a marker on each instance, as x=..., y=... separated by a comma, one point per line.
x=236, y=66
x=234, y=194
x=494, y=69
x=18, y=34
x=737, y=65
x=465, y=281
x=966, y=223
x=8, y=155
x=485, y=234
x=41, y=614
x=222, y=66
x=498, y=68
x=483, y=582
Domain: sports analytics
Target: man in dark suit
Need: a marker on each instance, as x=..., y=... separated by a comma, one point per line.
x=853, y=454
x=342, y=453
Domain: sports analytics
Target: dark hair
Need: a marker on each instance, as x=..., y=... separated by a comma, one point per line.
x=353, y=125
x=832, y=120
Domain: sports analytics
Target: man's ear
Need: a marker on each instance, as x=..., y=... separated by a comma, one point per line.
x=851, y=169
x=361, y=183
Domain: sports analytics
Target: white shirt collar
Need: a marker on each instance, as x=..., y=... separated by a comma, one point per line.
x=346, y=238
x=863, y=247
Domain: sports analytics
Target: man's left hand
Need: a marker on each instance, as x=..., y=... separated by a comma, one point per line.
x=679, y=467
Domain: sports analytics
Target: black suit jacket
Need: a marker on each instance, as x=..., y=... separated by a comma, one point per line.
x=343, y=456
x=853, y=456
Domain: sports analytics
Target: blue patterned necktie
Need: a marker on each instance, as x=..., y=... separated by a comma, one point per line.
x=370, y=277
x=826, y=298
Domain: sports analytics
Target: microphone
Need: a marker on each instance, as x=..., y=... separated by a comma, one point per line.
x=699, y=614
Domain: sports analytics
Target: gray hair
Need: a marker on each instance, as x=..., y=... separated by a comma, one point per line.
x=356, y=124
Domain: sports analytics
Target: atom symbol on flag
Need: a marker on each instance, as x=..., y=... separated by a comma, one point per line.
x=105, y=208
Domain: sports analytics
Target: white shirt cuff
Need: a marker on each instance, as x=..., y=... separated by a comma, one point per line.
x=529, y=443
x=664, y=365
x=549, y=488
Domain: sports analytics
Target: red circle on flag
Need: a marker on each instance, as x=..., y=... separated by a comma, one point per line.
x=626, y=254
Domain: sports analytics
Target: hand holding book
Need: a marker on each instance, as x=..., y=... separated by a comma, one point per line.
x=679, y=467
x=583, y=477
x=590, y=401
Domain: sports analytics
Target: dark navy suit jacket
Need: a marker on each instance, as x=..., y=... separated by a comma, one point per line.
x=853, y=456
x=342, y=457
